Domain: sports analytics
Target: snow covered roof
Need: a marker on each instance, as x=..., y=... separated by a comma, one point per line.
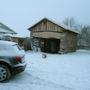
x=1, y=35
x=6, y=29
x=74, y=30
x=13, y=35
x=18, y=36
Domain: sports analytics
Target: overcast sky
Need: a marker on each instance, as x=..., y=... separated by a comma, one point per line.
x=21, y=14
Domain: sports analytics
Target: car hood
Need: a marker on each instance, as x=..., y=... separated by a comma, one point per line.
x=12, y=53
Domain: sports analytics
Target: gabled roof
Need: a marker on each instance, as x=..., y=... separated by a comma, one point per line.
x=6, y=29
x=60, y=25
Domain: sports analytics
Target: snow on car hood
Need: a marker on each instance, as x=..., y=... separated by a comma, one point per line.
x=12, y=53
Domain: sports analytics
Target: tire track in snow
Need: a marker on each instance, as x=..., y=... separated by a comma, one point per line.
x=48, y=83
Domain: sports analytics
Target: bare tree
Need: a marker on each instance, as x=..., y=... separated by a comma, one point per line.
x=84, y=32
x=71, y=23
x=84, y=37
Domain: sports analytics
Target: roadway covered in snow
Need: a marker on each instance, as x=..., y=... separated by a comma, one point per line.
x=56, y=72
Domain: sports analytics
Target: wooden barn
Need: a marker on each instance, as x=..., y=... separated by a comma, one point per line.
x=52, y=38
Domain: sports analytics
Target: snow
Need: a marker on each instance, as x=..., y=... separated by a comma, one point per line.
x=56, y=72
x=13, y=35
x=19, y=35
x=8, y=48
x=4, y=30
x=1, y=35
x=7, y=42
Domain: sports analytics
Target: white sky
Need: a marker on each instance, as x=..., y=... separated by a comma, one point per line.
x=21, y=14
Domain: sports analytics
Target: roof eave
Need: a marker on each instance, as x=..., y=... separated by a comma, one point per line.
x=53, y=23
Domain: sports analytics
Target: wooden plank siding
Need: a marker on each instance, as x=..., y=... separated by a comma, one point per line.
x=46, y=27
x=69, y=42
x=47, y=35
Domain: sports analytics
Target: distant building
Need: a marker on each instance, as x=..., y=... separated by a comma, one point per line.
x=18, y=40
x=23, y=41
x=53, y=38
x=5, y=31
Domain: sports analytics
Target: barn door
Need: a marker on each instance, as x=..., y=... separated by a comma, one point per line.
x=51, y=45
x=55, y=45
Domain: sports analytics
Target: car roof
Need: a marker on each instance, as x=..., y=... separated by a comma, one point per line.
x=7, y=42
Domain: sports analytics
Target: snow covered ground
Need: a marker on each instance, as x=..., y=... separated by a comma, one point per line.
x=56, y=72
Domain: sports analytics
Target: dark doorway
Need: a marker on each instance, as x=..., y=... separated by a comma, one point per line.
x=51, y=45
